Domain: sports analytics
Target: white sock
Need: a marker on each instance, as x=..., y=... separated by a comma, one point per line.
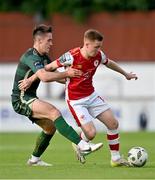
x=83, y=145
x=83, y=136
x=34, y=158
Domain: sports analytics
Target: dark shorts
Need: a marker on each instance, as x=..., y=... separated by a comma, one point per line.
x=24, y=108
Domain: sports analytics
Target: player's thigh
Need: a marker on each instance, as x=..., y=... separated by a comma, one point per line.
x=79, y=112
x=46, y=124
x=83, y=118
x=108, y=119
x=44, y=110
x=97, y=105
x=89, y=130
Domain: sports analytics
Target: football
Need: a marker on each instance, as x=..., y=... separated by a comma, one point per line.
x=137, y=156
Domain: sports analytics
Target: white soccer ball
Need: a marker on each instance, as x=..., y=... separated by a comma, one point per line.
x=137, y=156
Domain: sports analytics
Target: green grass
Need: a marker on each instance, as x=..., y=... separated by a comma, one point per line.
x=15, y=149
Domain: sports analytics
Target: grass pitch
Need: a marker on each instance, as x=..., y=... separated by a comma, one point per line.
x=15, y=149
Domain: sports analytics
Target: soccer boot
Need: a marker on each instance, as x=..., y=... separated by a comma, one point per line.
x=89, y=147
x=39, y=162
x=79, y=155
x=95, y=147
x=120, y=162
x=82, y=153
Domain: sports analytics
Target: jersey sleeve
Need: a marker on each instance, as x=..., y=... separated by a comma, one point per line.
x=35, y=63
x=104, y=59
x=65, y=60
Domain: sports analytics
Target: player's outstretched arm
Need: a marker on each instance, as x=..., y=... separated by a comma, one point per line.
x=24, y=84
x=114, y=66
x=46, y=76
x=62, y=81
x=53, y=67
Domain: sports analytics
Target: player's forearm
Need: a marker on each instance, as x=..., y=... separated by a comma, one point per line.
x=51, y=67
x=33, y=78
x=51, y=76
x=57, y=76
x=62, y=81
x=114, y=66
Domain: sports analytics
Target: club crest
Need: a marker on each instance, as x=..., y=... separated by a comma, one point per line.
x=96, y=62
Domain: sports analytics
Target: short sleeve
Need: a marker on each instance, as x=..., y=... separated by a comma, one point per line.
x=104, y=59
x=65, y=60
x=35, y=63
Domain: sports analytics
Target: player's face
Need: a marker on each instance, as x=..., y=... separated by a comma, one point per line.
x=92, y=47
x=45, y=43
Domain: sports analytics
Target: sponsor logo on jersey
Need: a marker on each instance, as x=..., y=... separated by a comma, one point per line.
x=38, y=65
x=86, y=75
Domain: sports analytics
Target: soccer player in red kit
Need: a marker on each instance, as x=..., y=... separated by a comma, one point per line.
x=84, y=103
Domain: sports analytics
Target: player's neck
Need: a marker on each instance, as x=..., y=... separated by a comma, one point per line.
x=84, y=53
x=38, y=50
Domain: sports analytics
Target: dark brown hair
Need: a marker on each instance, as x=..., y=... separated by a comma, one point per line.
x=41, y=29
x=93, y=35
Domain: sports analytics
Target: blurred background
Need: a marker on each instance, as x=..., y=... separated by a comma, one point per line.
x=129, y=39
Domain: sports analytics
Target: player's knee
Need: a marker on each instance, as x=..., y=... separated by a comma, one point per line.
x=49, y=128
x=91, y=133
x=54, y=114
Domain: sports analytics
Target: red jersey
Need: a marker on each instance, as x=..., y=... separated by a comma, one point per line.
x=77, y=88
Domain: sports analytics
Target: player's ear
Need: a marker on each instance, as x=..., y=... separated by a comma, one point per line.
x=86, y=44
x=39, y=39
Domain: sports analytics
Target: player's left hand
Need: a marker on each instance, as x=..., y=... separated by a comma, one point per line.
x=24, y=84
x=130, y=76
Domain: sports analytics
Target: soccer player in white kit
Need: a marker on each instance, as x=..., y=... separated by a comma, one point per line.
x=84, y=103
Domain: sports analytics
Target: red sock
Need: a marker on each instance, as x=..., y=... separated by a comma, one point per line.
x=113, y=140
